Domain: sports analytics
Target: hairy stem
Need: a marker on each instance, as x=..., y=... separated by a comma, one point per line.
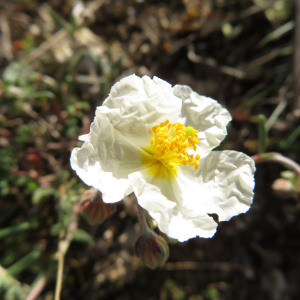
x=279, y=158
x=142, y=218
x=60, y=269
x=63, y=246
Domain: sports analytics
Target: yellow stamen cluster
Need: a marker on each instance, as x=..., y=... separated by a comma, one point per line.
x=171, y=142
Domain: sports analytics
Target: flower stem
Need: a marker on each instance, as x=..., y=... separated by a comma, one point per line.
x=142, y=218
x=277, y=157
x=63, y=246
x=60, y=272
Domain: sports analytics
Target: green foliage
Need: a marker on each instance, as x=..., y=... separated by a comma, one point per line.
x=42, y=107
x=82, y=236
x=23, y=263
x=276, y=34
x=40, y=194
x=172, y=290
x=211, y=294
x=14, y=229
x=262, y=134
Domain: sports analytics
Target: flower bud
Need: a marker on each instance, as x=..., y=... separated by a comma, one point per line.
x=152, y=249
x=289, y=175
x=282, y=187
x=93, y=207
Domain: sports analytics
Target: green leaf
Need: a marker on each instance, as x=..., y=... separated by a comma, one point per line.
x=82, y=236
x=73, y=23
x=60, y=21
x=12, y=72
x=262, y=134
x=38, y=94
x=277, y=33
x=40, y=194
x=293, y=136
x=23, y=263
x=14, y=229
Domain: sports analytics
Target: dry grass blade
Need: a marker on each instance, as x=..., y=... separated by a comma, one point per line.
x=6, y=39
x=211, y=28
x=213, y=63
x=62, y=33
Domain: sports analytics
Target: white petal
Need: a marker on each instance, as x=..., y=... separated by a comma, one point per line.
x=112, y=149
x=223, y=185
x=121, y=126
x=83, y=137
x=89, y=170
x=120, y=130
x=184, y=227
x=205, y=115
x=154, y=195
x=137, y=104
x=157, y=196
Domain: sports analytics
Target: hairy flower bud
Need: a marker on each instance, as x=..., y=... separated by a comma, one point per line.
x=152, y=249
x=282, y=187
x=93, y=207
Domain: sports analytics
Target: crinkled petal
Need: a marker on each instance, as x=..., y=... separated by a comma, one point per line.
x=83, y=137
x=184, y=227
x=137, y=104
x=157, y=196
x=154, y=195
x=121, y=127
x=115, y=152
x=113, y=160
x=89, y=170
x=204, y=114
x=222, y=185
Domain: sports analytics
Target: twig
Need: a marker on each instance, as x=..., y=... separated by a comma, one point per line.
x=213, y=63
x=45, y=46
x=189, y=265
x=252, y=10
x=92, y=6
x=279, y=158
x=279, y=109
x=15, y=16
x=149, y=32
x=256, y=9
x=37, y=288
x=276, y=113
x=270, y=56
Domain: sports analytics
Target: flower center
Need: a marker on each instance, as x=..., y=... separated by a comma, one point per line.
x=171, y=142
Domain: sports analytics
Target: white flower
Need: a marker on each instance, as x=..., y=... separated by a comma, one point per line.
x=136, y=145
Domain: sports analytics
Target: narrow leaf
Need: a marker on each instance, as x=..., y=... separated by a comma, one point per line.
x=262, y=134
x=14, y=229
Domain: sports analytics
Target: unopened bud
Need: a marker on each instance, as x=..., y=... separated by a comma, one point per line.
x=152, y=249
x=93, y=207
x=282, y=187
x=289, y=175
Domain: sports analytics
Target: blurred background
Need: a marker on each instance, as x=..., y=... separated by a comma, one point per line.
x=58, y=60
